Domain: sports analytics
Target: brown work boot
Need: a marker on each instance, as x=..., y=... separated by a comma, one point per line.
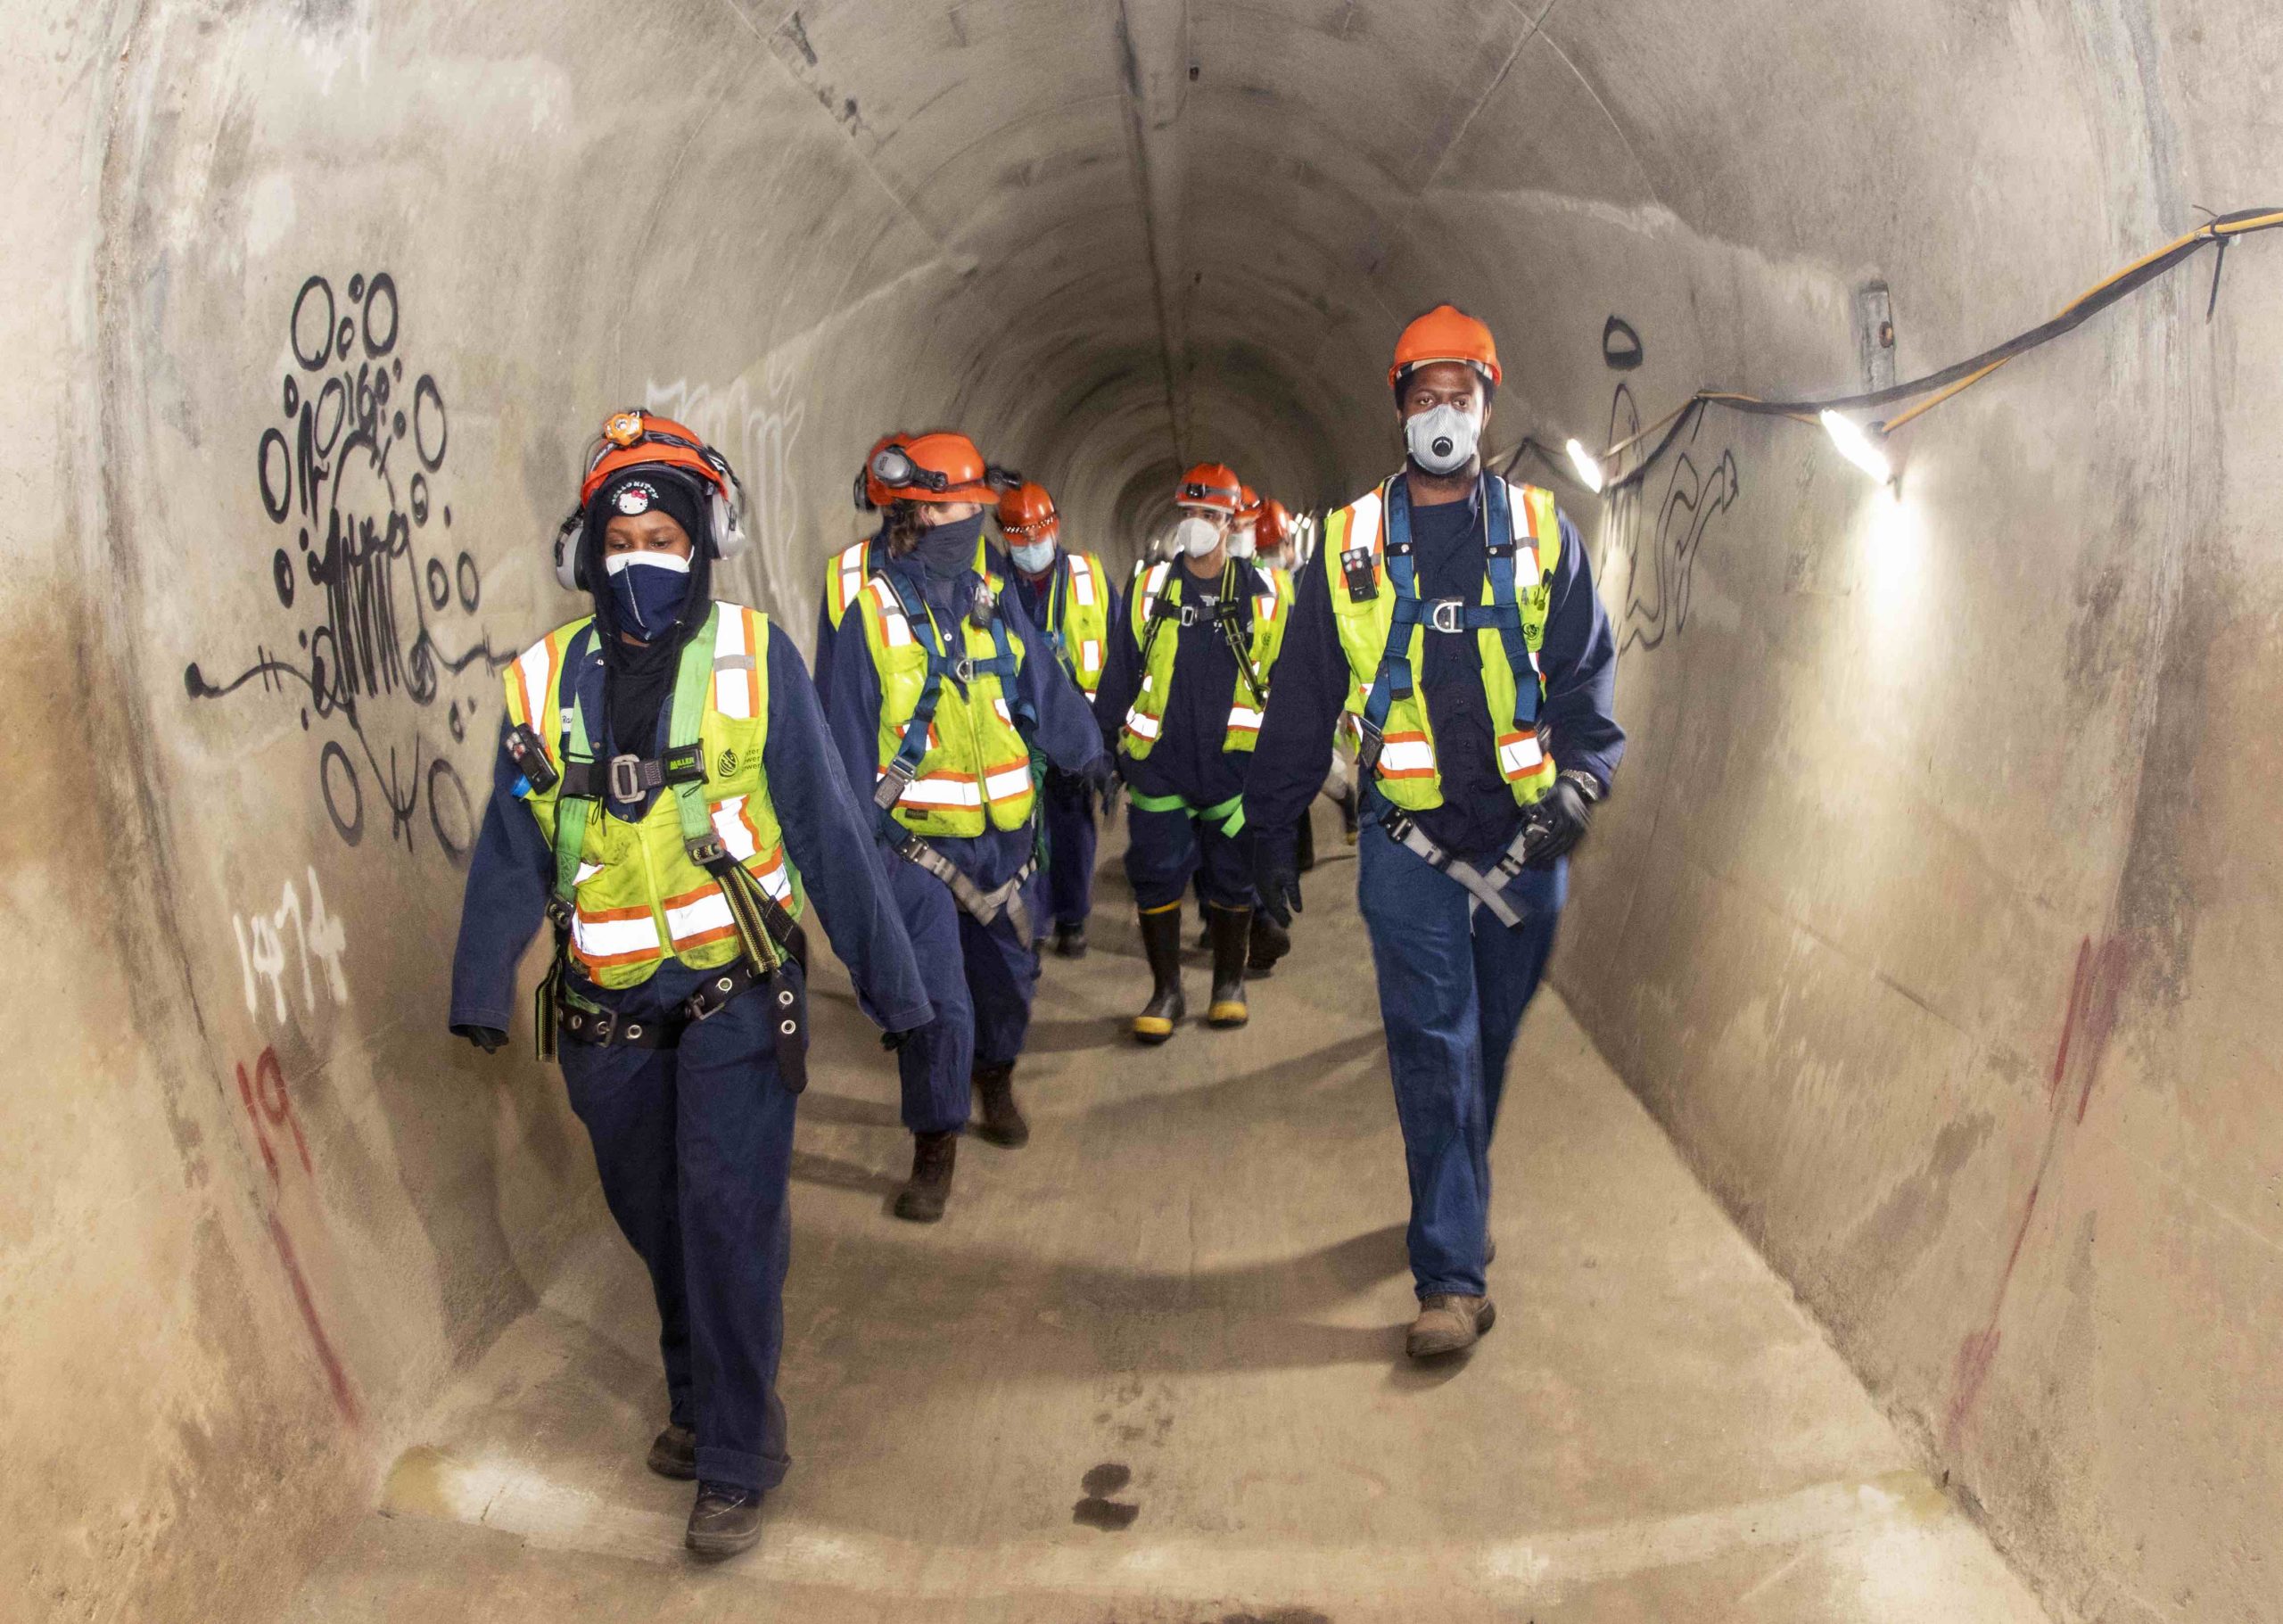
x=673, y=1454
x=1162, y=946
x=1447, y=1324
x=1002, y=1121
x=933, y=1155
x=1231, y=942
x=725, y=1520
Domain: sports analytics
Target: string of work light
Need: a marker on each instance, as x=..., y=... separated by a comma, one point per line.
x=1864, y=444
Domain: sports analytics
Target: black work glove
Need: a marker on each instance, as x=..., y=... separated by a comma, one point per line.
x=894, y=1040
x=1558, y=822
x=489, y=1039
x=1276, y=874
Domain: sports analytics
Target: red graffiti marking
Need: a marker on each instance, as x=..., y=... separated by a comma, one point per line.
x=2085, y=1029
x=267, y=1105
x=344, y=1396
x=266, y=1096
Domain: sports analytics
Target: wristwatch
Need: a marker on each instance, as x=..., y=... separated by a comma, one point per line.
x=1587, y=785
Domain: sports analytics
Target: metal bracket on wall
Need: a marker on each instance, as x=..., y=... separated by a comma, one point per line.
x=1875, y=335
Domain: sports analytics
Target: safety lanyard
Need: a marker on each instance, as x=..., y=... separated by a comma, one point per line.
x=1393, y=680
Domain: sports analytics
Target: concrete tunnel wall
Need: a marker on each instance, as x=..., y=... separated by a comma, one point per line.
x=1936, y=912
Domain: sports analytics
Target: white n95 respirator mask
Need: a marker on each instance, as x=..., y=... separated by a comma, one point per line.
x=1441, y=440
x=1241, y=542
x=1195, y=537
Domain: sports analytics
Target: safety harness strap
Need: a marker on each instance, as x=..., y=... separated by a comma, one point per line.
x=1228, y=816
x=589, y=1023
x=765, y=929
x=912, y=749
x=983, y=906
x=1489, y=889
x=1393, y=680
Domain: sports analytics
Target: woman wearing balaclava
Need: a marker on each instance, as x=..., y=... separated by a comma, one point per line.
x=1181, y=705
x=943, y=696
x=665, y=791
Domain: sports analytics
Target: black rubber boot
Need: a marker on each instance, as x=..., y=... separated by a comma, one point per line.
x=1070, y=941
x=1002, y=1121
x=725, y=1520
x=1232, y=944
x=933, y=1156
x=1162, y=946
x=1269, y=942
x=673, y=1454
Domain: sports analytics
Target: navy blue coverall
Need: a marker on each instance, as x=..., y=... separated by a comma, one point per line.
x=694, y=1144
x=1067, y=800
x=979, y=978
x=1454, y=982
x=1164, y=849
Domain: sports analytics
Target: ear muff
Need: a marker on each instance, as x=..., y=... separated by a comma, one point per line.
x=726, y=514
x=567, y=535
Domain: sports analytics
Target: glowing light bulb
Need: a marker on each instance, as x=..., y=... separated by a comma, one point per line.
x=1589, y=468
x=1857, y=446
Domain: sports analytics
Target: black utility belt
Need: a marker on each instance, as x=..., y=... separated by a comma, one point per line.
x=788, y=1034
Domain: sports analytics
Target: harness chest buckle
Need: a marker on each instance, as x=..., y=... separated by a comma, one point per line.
x=626, y=778
x=1448, y=615
x=963, y=668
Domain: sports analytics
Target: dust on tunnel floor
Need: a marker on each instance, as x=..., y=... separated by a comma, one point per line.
x=1151, y=1368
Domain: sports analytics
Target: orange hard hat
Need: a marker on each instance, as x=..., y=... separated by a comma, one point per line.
x=939, y=466
x=1444, y=334
x=1210, y=484
x=871, y=496
x=1275, y=526
x=636, y=438
x=1026, y=513
x=1248, y=505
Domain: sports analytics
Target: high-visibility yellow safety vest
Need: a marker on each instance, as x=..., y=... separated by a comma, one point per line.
x=1362, y=607
x=640, y=897
x=1271, y=606
x=976, y=768
x=1077, y=618
x=857, y=563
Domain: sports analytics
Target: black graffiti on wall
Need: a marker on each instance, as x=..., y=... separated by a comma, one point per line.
x=349, y=480
x=1660, y=536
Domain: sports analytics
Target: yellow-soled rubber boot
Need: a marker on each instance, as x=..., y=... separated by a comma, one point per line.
x=1232, y=944
x=1161, y=946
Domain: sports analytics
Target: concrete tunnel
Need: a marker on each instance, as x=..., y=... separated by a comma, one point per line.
x=1889, y=1187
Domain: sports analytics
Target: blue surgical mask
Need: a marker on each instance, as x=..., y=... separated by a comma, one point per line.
x=649, y=590
x=1032, y=557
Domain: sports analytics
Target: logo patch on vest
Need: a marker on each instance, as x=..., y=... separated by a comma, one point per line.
x=635, y=496
x=727, y=765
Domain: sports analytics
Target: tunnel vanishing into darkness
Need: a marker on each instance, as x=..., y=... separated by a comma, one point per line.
x=1936, y=921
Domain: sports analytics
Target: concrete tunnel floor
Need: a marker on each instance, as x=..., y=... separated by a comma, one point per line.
x=1151, y=1368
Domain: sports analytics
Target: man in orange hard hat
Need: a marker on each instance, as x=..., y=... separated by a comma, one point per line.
x=1181, y=705
x=1460, y=608
x=1071, y=599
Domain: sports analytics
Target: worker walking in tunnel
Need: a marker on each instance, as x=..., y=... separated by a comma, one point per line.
x=1462, y=609
x=1071, y=599
x=1181, y=705
x=667, y=795
x=945, y=699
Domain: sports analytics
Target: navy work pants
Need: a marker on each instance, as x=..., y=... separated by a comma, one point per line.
x=981, y=979
x=1163, y=849
x=695, y=1146
x=1070, y=836
x=1454, y=983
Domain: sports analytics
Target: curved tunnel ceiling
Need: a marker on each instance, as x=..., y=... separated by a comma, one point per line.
x=1895, y=768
